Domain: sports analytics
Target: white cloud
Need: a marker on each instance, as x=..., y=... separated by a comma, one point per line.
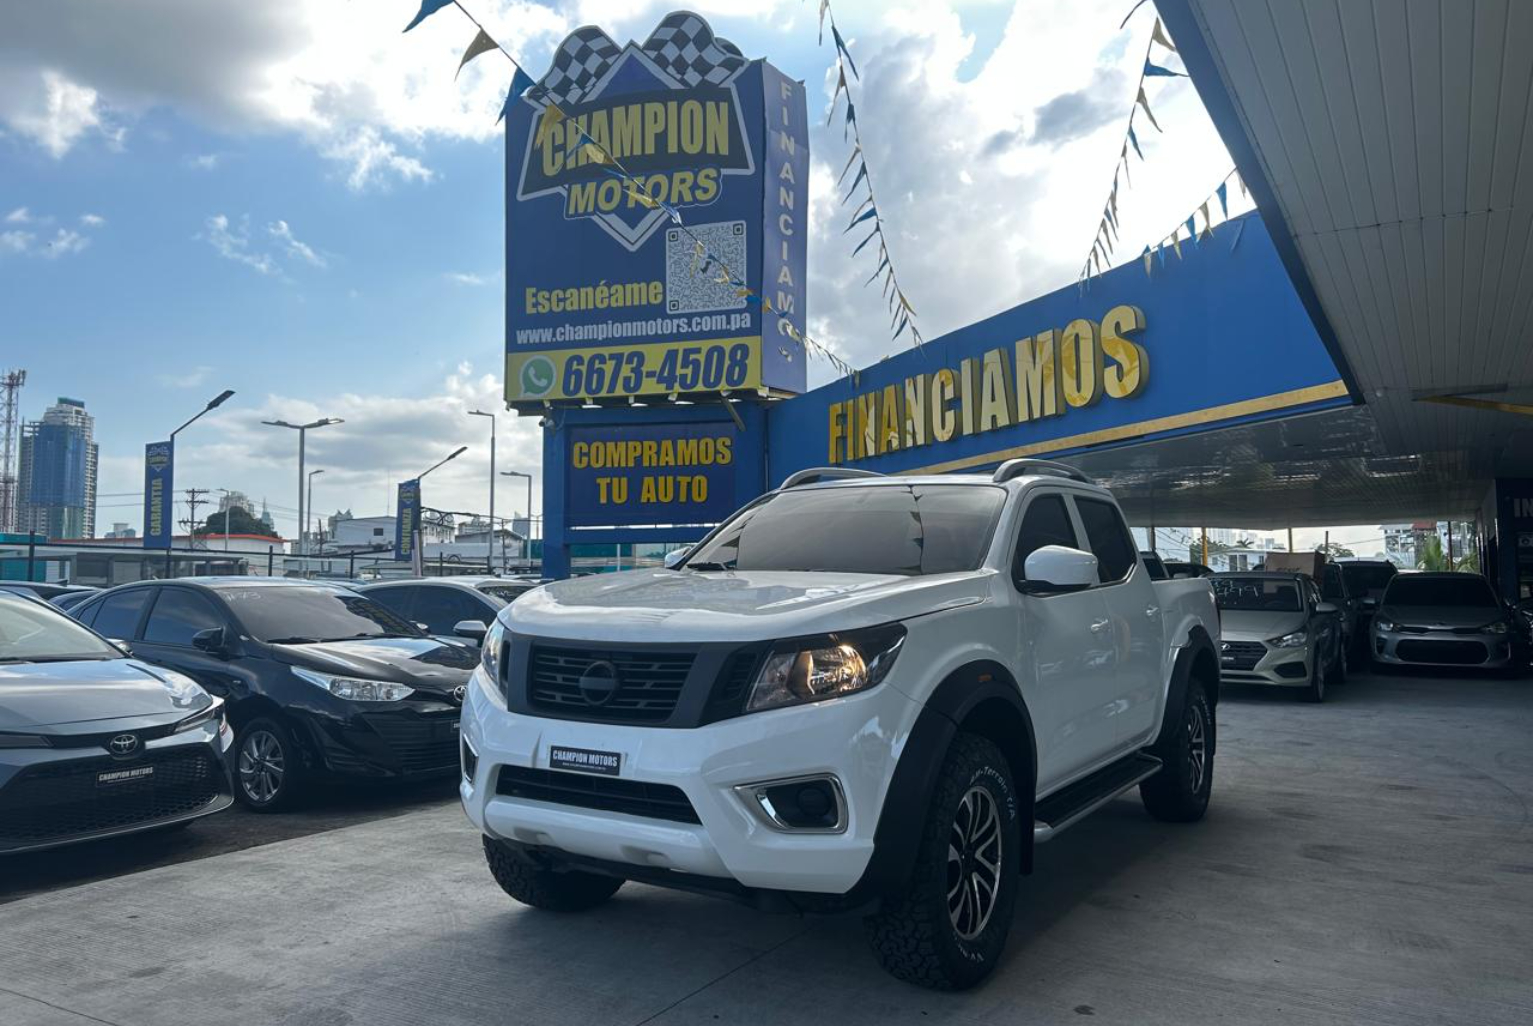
x=92, y=220
x=280, y=231
x=54, y=112
x=16, y=241
x=203, y=161
x=466, y=278
x=63, y=243
x=191, y=379
x=372, y=159
x=234, y=244
x=21, y=215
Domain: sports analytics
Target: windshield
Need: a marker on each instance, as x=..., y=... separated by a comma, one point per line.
x=1252, y=594
x=1410, y=590
x=33, y=633
x=1364, y=578
x=296, y=615
x=876, y=529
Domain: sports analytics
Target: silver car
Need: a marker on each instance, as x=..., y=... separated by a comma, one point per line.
x=1452, y=619
x=95, y=744
x=1275, y=629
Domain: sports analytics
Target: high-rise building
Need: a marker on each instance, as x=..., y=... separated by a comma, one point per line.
x=56, y=474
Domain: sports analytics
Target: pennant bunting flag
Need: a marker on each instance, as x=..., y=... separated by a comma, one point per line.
x=639, y=196
x=482, y=42
x=1134, y=140
x=1160, y=252
x=520, y=83
x=856, y=151
x=835, y=34
x=428, y=8
x=1240, y=226
x=871, y=212
x=1240, y=182
x=1123, y=159
x=1223, y=192
x=824, y=6
x=1147, y=257
x=865, y=241
x=1130, y=14
x=1208, y=222
x=841, y=87
x=552, y=115
x=881, y=265
x=862, y=173
x=851, y=120
x=1176, y=244
x=1153, y=70
x=1145, y=103
x=1192, y=230
x=594, y=154
x=1158, y=35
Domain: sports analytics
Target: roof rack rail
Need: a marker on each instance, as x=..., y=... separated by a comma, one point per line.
x=1016, y=468
x=813, y=475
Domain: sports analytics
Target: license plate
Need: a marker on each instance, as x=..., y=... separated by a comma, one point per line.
x=108, y=778
x=585, y=760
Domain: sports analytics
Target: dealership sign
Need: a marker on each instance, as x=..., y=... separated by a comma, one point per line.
x=407, y=519
x=656, y=193
x=159, y=494
x=649, y=474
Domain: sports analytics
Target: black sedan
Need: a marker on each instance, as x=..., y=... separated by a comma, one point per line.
x=449, y=607
x=94, y=744
x=319, y=680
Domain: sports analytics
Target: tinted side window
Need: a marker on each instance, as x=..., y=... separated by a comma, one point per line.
x=118, y=615
x=177, y=615
x=440, y=608
x=1331, y=588
x=1046, y=522
x=1109, y=538
x=396, y=600
x=85, y=612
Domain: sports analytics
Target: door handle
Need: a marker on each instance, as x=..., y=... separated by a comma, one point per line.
x=1151, y=611
x=1101, y=625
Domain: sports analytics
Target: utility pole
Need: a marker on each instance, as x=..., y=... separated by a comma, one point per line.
x=1205, y=546
x=194, y=498
x=10, y=401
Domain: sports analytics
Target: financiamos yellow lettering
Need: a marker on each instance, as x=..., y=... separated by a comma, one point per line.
x=1037, y=378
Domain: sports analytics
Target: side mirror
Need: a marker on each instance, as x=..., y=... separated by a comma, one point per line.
x=674, y=557
x=423, y=628
x=1370, y=603
x=1057, y=568
x=1181, y=577
x=211, y=641
x=474, y=629
x=1326, y=607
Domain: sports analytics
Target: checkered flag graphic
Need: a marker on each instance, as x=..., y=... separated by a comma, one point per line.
x=582, y=58
x=685, y=46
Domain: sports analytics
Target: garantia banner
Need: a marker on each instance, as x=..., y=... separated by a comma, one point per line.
x=656, y=220
x=159, y=494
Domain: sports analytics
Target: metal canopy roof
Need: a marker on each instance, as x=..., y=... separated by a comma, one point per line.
x=1388, y=148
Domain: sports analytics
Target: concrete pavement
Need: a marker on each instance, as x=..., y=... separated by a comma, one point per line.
x=1364, y=861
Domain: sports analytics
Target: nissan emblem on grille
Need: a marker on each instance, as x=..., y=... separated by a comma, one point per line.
x=599, y=683
x=123, y=744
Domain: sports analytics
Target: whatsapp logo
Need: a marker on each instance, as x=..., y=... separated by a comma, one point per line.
x=537, y=376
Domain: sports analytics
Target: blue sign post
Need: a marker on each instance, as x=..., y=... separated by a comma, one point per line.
x=656, y=221
x=407, y=519
x=159, y=494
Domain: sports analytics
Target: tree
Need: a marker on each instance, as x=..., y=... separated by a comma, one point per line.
x=1431, y=556
x=240, y=521
x=1334, y=550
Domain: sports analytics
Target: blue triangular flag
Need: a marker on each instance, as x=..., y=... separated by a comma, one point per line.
x=428, y=8
x=851, y=119
x=1134, y=142
x=1153, y=70
x=1192, y=229
x=1223, y=192
x=520, y=83
x=841, y=45
x=865, y=241
x=881, y=265
x=872, y=212
x=862, y=172
x=1160, y=251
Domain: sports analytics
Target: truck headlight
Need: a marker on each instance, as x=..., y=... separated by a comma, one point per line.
x=1294, y=640
x=489, y=652
x=825, y=666
x=356, y=689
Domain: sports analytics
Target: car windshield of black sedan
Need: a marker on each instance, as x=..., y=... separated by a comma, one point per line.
x=33, y=633
x=872, y=529
x=298, y=615
x=1257, y=594
x=1410, y=590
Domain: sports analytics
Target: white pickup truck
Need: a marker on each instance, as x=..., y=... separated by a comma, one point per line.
x=859, y=693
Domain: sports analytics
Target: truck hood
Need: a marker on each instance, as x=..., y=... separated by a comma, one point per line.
x=36, y=696
x=1257, y=624
x=759, y=605
x=1441, y=616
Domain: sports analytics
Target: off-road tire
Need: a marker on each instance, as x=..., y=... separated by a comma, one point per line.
x=914, y=935
x=1179, y=792
x=546, y=888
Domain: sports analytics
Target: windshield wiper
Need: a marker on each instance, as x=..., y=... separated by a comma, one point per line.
x=708, y=567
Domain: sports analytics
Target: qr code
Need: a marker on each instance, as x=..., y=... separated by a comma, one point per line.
x=692, y=272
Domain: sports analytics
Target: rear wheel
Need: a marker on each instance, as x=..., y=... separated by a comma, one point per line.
x=1179, y=792
x=268, y=770
x=548, y=889
x=948, y=929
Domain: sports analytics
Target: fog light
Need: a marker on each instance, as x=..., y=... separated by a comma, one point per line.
x=799, y=805
x=470, y=760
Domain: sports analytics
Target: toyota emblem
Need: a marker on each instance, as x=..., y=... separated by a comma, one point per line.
x=459, y=692
x=599, y=683
x=123, y=744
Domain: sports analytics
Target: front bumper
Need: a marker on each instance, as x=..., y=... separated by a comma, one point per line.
x=1258, y=662
x=1442, y=648
x=856, y=739
x=50, y=797
x=381, y=740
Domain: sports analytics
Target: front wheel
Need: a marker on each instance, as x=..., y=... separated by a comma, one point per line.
x=549, y=889
x=948, y=929
x=268, y=767
x=1316, y=690
x=1179, y=792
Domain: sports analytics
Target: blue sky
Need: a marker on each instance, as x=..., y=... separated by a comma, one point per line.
x=295, y=201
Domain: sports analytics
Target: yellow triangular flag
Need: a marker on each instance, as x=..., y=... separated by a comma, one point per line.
x=1208, y=222
x=594, y=154
x=552, y=115
x=639, y=196
x=1159, y=36
x=1176, y=243
x=481, y=43
x=766, y=304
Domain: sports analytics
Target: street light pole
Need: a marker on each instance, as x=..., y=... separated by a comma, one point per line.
x=212, y=404
x=302, y=430
x=518, y=473
x=311, y=496
x=489, y=561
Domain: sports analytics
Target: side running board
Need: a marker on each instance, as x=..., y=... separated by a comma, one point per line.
x=1063, y=809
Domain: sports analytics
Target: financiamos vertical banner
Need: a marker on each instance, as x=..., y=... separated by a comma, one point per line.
x=656, y=195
